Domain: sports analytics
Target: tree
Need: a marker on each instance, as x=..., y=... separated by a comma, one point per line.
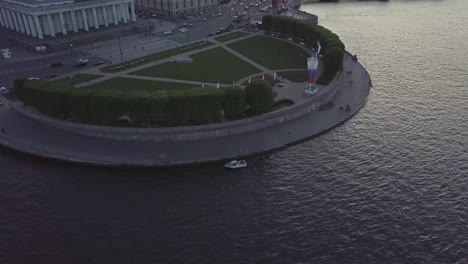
x=259, y=96
x=267, y=23
x=235, y=102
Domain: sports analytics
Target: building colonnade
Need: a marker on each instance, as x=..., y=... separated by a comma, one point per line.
x=66, y=18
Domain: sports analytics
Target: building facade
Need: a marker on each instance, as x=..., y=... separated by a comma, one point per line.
x=40, y=18
x=176, y=7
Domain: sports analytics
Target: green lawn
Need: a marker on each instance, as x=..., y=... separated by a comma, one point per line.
x=214, y=65
x=130, y=84
x=272, y=53
x=231, y=36
x=78, y=78
x=154, y=57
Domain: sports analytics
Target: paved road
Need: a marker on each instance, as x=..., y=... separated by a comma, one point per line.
x=133, y=46
x=40, y=139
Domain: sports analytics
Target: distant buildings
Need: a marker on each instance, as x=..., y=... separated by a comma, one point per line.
x=176, y=7
x=40, y=18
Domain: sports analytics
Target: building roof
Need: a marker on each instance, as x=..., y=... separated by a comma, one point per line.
x=38, y=2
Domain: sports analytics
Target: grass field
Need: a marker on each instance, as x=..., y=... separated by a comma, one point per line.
x=78, y=78
x=272, y=53
x=214, y=65
x=154, y=57
x=231, y=36
x=130, y=84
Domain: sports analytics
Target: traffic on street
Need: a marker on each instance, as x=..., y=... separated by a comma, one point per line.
x=235, y=15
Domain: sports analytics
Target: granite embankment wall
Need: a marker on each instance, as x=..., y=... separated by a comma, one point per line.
x=293, y=7
x=325, y=94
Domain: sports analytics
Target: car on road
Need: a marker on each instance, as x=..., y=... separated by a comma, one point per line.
x=168, y=32
x=183, y=25
x=33, y=78
x=246, y=7
x=204, y=19
x=183, y=30
x=81, y=62
x=56, y=64
x=190, y=25
x=220, y=14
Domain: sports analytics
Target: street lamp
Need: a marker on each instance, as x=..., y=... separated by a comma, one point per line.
x=120, y=46
x=69, y=45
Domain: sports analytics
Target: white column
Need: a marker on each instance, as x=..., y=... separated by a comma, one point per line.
x=2, y=18
x=116, y=22
x=73, y=19
x=10, y=20
x=38, y=27
x=51, y=26
x=132, y=7
x=85, y=20
x=96, y=22
x=32, y=26
x=106, y=19
x=26, y=24
x=124, y=11
x=62, y=24
x=5, y=19
x=20, y=22
x=15, y=22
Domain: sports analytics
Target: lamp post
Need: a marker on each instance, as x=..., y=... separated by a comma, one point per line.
x=69, y=44
x=120, y=47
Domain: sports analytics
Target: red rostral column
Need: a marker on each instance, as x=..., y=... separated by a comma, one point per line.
x=275, y=6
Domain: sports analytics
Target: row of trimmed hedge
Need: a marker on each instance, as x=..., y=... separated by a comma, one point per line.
x=333, y=48
x=198, y=105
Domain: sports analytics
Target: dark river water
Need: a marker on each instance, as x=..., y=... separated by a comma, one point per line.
x=389, y=186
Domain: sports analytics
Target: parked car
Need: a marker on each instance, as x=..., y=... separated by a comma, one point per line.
x=183, y=30
x=56, y=64
x=190, y=25
x=96, y=63
x=50, y=76
x=33, y=78
x=81, y=62
x=168, y=32
x=3, y=90
x=204, y=19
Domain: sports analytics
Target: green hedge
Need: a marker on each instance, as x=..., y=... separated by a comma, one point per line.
x=198, y=105
x=310, y=34
x=235, y=102
x=259, y=96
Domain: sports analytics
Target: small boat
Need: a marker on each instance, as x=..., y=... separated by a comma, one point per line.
x=236, y=164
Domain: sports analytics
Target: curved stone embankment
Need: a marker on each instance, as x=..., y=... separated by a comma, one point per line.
x=34, y=136
x=179, y=134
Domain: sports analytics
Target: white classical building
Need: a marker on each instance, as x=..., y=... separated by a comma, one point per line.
x=39, y=18
x=176, y=7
